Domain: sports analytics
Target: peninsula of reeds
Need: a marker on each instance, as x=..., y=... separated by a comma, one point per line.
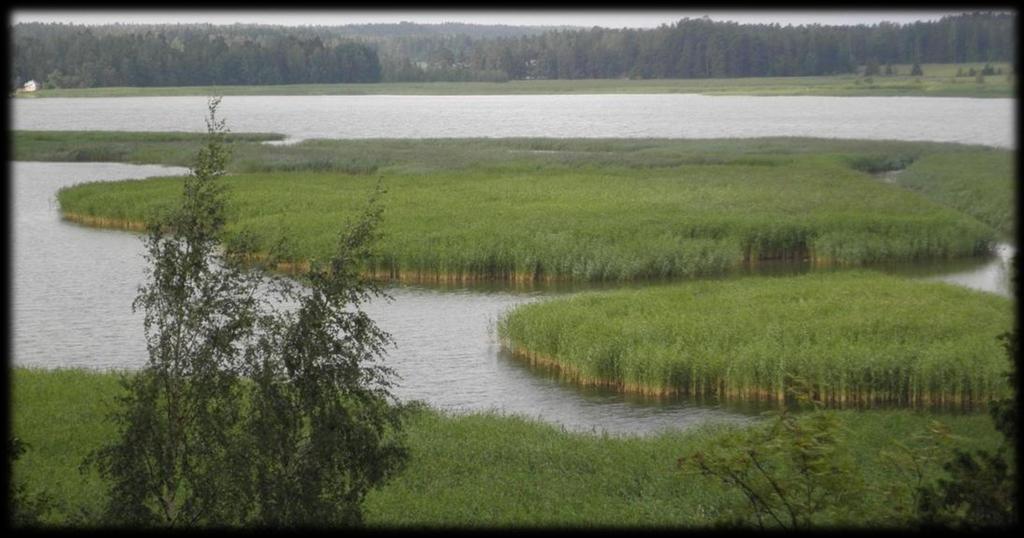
x=857, y=337
x=578, y=210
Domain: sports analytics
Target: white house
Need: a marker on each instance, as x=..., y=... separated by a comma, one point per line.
x=30, y=86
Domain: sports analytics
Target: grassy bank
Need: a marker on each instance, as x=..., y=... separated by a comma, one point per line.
x=858, y=337
x=595, y=210
x=476, y=470
x=938, y=80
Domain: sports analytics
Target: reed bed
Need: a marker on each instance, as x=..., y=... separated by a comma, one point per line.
x=859, y=338
x=595, y=211
x=979, y=183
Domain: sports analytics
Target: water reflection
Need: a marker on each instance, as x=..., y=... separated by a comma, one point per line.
x=992, y=275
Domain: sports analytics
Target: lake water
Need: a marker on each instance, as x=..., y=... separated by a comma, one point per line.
x=941, y=119
x=73, y=286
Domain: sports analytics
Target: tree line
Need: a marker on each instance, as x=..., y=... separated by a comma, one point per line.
x=183, y=55
x=70, y=56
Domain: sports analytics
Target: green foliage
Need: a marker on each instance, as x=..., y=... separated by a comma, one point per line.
x=248, y=414
x=796, y=472
x=162, y=55
x=24, y=509
x=981, y=490
x=76, y=57
x=177, y=416
x=322, y=419
x=914, y=461
x=858, y=337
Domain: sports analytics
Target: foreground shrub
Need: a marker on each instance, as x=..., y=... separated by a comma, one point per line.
x=248, y=413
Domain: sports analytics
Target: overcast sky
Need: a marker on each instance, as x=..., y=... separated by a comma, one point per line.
x=587, y=18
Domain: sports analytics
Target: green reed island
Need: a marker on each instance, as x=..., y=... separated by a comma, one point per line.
x=859, y=338
x=528, y=210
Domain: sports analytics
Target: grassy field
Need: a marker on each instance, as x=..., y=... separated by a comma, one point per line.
x=548, y=210
x=475, y=470
x=938, y=80
x=860, y=338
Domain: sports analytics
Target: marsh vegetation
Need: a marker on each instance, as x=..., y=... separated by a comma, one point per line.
x=858, y=338
x=532, y=210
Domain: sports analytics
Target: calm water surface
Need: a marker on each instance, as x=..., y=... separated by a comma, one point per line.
x=977, y=121
x=73, y=288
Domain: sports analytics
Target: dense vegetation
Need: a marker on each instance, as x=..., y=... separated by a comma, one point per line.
x=483, y=470
x=533, y=210
x=857, y=337
x=77, y=57
x=183, y=55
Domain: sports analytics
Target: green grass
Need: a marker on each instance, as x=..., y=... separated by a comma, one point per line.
x=979, y=184
x=608, y=210
x=61, y=414
x=475, y=470
x=859, y=337
x=938, y=80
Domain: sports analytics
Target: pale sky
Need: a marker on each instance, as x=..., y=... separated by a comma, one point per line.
x=525, y=17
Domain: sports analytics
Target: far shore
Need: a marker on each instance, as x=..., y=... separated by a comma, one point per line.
x=936, y=82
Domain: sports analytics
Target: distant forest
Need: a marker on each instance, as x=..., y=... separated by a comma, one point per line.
x=75, y=56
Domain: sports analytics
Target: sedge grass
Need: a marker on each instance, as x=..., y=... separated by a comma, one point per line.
x=584, y=211
x=858, y=337
x=479, y=470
